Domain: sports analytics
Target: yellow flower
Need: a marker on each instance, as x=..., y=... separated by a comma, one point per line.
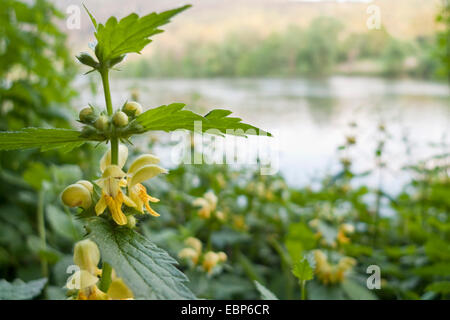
x=87, y=256
x=113, y=178
x=345, y=229
x=141, y=169
x=211, y=259
x=332, y=274
x=112, y=196
x=193, y=250
x=78, y=194
x=207, y=204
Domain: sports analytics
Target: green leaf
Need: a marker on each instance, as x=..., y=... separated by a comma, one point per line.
x=19, y=290
x=442, y=287
x=357, y=292
x=130, y=34
x=43, y=138
x=304, y=269
x=148, y=270
x=173, y=117
x=266, y=294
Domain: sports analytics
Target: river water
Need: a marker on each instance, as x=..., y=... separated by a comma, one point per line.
x=310, y=118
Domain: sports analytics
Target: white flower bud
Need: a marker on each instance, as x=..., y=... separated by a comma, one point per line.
x=102, y=123
x=120, y=119
x=132, y=108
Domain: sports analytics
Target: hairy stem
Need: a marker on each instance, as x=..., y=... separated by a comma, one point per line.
x=106, y=267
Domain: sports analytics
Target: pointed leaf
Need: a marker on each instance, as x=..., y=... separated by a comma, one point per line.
x=43, y=138
x=173, y=117
x=130, y=34
x=266, y=294
x=148, y=270
x=19, y=290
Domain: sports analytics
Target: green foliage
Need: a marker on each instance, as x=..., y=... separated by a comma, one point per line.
x=145, y=268
x=130, y=34
x=266, y=294
x=45, y=139
x=442, y=287
x=19, y=290
x=304, y=269
x=173, y=117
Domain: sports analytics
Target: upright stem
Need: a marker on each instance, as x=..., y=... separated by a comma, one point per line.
x=106, y=267
x=41, y=229
x=105, y=80
x=303, y=289
x=109, y=109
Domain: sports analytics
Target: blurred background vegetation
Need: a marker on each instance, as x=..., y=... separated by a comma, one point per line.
x=264, y=224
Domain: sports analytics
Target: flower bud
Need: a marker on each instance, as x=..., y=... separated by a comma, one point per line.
x=210, y=261
x=132, y=108
x=102, y=123
x=87, y=115
x=222, y=256
x=77, y=195
x=86, y=255
x=131, y=221
x=194, y=243
x=120, y=119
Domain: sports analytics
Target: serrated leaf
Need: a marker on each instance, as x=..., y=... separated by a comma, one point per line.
x=130, y=34
x=43, y=138
x=173, y=117
x=266, y=294
x=304, y=269
x=148, y=270
x=19, y=290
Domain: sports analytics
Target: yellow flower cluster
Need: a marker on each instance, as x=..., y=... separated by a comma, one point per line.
x=344, y=230
x=112, y=181
x=329, y=273
x=208, y=206
x=193, y=252
x=87, y=256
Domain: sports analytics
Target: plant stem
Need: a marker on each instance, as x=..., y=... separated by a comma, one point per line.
x=303, y=289
x=106, y=267
x=105, y=281
x=104, y=73
x=41, y=230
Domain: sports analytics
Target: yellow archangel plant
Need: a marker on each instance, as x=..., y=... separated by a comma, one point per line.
x=119, y=192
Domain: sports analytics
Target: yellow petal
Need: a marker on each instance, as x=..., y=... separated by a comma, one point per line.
x=86, y=255
x=118, y=290
x=106, y=159
x=141, y=161
x=115, y=208
x=101, y=205
x=87, y=184
x=76, y=195
x=80, y=280
x=128, y=202
x=145, y=173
